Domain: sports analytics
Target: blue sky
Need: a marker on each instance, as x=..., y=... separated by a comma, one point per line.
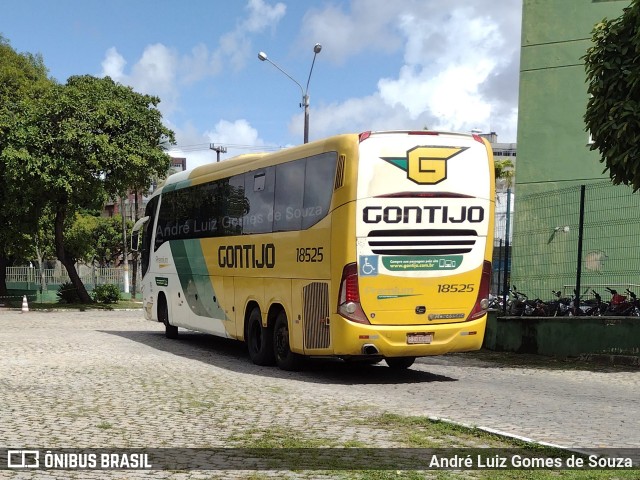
x=402, y=64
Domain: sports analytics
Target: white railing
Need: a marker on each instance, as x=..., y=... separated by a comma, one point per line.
x=58, y=276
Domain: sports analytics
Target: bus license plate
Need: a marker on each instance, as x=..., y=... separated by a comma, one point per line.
x=419, y=338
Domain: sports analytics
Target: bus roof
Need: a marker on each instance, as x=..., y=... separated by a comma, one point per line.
x=253, y=161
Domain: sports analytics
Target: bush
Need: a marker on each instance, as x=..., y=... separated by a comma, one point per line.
x=109, y=293
x=67, y=293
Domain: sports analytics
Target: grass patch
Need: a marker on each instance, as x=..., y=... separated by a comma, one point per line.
x=423, y=432
x=524, y=360
x=318, y=457
x=279, y=437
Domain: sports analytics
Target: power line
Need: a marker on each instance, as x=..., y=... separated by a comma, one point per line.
x=206, y=146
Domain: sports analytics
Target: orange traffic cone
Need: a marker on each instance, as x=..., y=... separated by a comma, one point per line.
x=25, y=305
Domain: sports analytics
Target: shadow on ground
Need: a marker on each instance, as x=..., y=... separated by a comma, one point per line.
x=232, y=355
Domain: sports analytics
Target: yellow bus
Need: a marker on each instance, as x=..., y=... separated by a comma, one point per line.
x=363, y=246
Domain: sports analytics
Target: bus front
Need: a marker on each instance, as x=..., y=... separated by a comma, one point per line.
x=417, y=282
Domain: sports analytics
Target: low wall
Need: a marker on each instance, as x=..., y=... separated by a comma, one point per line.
x=568, y=336
x=14, y=297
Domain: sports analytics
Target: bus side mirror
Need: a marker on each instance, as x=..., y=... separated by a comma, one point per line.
x=136, y=234
x=135, y=241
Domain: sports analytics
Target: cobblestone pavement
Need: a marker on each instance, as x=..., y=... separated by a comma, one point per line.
x=111, y=379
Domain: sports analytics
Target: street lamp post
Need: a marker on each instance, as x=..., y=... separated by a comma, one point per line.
x=305, y=92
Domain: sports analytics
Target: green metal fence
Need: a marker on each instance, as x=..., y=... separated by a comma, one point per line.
x=548, y=234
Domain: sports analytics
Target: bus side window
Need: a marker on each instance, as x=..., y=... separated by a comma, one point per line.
x=318, y=187
x=259, y=190
x=232, y=205
x=150, y=211
x=166, y=218
x=289, y=196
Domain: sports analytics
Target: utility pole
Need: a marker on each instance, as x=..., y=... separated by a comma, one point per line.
x=218, y=149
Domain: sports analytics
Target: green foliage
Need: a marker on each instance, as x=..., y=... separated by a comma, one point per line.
x=67, y=293
x=612, y=116
x=109, y=293
x=72, y=146
x=23, y=79
x=78, y=238
x=504, y=169
x=107, y=239
x=90, y=237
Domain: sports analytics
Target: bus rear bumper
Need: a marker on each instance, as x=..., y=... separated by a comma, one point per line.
x=354, y=339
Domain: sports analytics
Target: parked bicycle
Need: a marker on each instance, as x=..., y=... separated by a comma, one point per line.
x=594, y=307
x=521, y=305
x=561, y=306
x=634, y=311
x=622, y=306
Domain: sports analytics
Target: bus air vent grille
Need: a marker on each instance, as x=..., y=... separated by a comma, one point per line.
x=340, y=172
x=315, y=297
x=421, y=242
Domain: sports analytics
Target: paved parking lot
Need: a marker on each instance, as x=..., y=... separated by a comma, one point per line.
x=110, y=379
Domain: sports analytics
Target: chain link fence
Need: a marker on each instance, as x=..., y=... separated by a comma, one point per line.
x=585, y=237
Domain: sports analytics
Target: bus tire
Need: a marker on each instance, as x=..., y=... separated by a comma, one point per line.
x=285, y=358
x=259, y=340
x=170, y=331
x=400, y=363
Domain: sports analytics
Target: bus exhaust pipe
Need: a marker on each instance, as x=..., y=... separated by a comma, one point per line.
x=370, y=349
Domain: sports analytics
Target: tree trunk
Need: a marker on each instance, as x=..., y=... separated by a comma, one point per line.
x=4, y=261
x=125, y=253
x=67, y=262
x=134, y=254
x=43, y=280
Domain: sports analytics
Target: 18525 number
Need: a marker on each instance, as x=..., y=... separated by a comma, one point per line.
x=456, y=287
x=313, y=254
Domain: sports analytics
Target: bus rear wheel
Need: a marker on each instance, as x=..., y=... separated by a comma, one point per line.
x=259, y=339
x=285, y=358
x=400, y=363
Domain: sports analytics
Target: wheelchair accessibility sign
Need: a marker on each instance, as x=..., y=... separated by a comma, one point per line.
x=368, y=265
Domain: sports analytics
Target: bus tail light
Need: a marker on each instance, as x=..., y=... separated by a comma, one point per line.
x=349, y=297
x=364, y=135
x=482, y=302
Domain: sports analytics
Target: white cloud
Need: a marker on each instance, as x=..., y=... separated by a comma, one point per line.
x=156, y=70
x=237, y=136
x=366, y=27
x=198, y=64
x=161, y=70
x=460, y=65
x=239, y=132
x=153, y=74
x=459, y=68
x=113, y=65
x=235, y=46
x=262, y=15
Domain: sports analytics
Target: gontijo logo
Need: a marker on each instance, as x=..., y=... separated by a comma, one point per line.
x=426, y=165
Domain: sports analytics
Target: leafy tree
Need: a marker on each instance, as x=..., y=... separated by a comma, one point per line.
x=504, y=169
x=91, y=238
x=613, y=111
x=90, y=139
x=23, y=78
x=79, y=236
x=108, y=240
